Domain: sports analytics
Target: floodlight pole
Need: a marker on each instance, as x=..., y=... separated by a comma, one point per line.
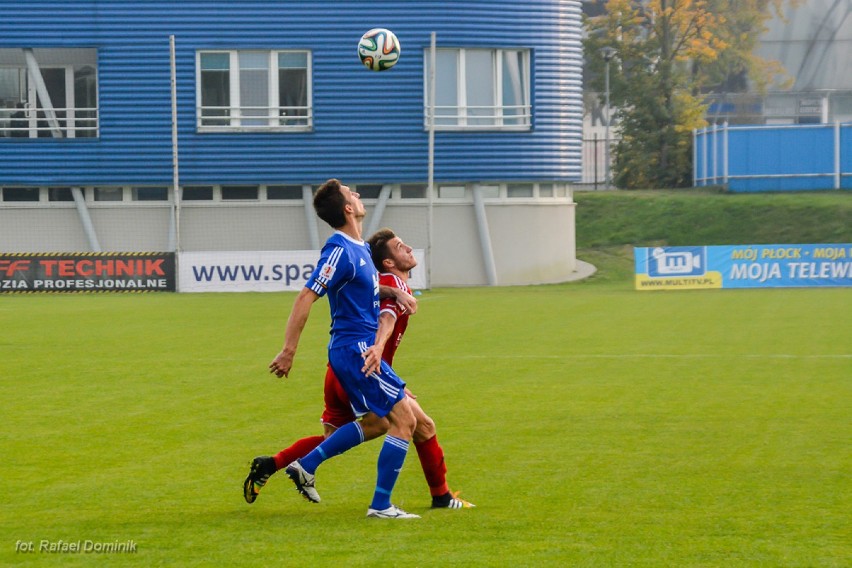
x=607, y=53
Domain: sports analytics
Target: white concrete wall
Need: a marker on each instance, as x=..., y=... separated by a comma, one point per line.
x=533, y=241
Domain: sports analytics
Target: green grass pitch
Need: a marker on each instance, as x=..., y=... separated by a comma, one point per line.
x=592, y=425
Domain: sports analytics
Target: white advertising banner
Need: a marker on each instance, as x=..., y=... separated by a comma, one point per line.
x=260, y=271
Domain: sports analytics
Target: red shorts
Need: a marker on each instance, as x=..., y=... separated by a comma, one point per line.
x=337, y=410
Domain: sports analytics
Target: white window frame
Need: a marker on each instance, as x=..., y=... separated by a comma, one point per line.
x=499, y=119
x=275, y=122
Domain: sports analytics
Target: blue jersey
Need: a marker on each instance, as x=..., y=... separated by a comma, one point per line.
x=346, y=273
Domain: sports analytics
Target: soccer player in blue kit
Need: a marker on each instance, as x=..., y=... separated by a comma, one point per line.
x=345, y=272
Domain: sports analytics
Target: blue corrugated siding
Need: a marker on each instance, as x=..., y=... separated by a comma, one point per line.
x=368, y=127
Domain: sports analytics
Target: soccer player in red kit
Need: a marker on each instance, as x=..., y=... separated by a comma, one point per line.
x=394, y=260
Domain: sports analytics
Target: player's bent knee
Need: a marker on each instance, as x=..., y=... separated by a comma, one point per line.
x=425, y=429
x=403, y=420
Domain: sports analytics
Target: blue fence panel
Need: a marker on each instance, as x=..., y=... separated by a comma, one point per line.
x=846, y=156
x=774, y=158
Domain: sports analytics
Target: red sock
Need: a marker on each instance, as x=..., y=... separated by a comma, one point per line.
x=299, y=449
x=432, y=459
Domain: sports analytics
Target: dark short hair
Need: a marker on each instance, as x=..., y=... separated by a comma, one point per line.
x=329, y=203
x=379, y=249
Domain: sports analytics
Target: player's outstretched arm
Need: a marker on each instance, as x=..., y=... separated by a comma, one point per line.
x=406, y=301
x=283, y=362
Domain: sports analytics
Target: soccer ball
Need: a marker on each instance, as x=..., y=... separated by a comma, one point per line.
x=379, y=49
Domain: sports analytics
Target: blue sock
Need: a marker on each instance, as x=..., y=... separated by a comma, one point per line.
x=344, y=438
x=391, y=458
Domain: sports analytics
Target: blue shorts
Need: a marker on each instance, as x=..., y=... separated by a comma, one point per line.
x=377, y=393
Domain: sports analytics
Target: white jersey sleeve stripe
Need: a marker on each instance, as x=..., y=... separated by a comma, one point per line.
x=332, y=261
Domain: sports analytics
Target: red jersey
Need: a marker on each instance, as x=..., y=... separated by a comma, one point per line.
x=390, y=305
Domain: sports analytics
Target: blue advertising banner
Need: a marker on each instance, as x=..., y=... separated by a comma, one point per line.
x=743, y=266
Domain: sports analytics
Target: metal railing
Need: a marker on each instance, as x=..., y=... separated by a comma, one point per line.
x=254, y=117
x=29, y=122
x=472, y=116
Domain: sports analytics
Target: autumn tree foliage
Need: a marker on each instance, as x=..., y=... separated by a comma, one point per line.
x=668, y=55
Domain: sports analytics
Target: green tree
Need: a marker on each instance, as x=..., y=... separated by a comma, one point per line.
x=669, y=53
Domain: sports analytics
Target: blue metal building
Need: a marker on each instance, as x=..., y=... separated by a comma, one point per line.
x=271, y=100
x=361, y=126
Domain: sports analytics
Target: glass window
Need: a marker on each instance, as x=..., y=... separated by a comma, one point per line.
x=545, y=190
x=20, y=194
x=515, y=88
x=451, y=191
x=70, y=79
x=51, y=120
x=198, y=193
x=109, y=194
x=368, y=190
x=293, y=192
x=11, y=104
x=215, y=88
x=446, y=93
x=86, y=101
x=254, y=90
x=841, y=107
x=480, y=89
x=59, y=194
x=293, y=88
x=150, y=194
x=239, y=192
x=412, y=191
x=519, y=190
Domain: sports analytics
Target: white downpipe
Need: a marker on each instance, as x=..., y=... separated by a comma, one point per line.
x=310, y=216
x=378, y=211
x=484, y=236
x=86, y=219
